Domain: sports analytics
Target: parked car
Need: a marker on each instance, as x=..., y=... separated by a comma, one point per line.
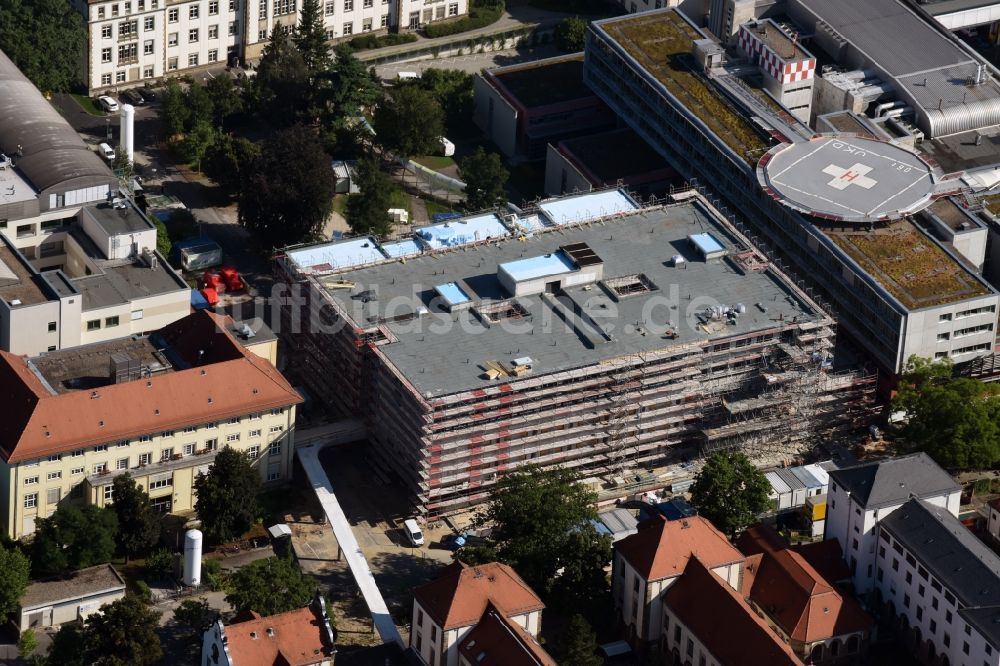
x=133, y=97
x=413, y=533
x=109, y=104
x=106, y=151
x=149, y=94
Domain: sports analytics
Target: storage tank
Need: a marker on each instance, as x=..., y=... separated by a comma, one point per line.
x=128, y=130
x=192, y=558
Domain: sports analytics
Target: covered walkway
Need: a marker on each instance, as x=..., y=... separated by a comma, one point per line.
x=309, y=457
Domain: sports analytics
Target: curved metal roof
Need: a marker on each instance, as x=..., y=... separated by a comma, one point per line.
x=53, y=153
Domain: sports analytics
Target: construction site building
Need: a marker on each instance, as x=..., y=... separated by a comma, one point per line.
x=589, y=334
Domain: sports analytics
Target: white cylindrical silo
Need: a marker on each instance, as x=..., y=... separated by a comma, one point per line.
x=128, y=130
x=192, y=558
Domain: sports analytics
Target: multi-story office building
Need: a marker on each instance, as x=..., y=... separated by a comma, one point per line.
x=589, y=334
x=158, y=407
x=132, y=42
x=843, y=213
x=863, y=495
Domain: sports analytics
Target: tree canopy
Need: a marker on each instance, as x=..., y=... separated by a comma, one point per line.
x=730, y=492
x=74, y=537
x=310, y=37
x=14, y=570
x=227, y=495
x=46, y=39
x=411, y=123
x=138, y=524
x=485, y=179
x=577, y=644
x=124, y=630
x=955, y=420
x=367, y=211
x=174, y=110
x=270, y=586
x=570, y=34
x=541, y=528
x=352, y=87
x=282, y=80
x=288, y=192
x=452, y=88
x=195, y=615
x=229, y=160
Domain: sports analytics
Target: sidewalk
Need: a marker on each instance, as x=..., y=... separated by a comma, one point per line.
x=515, y=18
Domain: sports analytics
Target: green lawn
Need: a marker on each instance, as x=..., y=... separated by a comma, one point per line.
x=434, y=207
x=88, y=105
x=435, y=162
x=400, y=199
x=340, y=204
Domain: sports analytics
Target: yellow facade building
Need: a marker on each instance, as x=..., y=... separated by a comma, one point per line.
x=159, y=407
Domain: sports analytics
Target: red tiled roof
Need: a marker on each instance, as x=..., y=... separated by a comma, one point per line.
x=807, y=608
x=661, y=548
x=722, y=621
x=459, y=596
x=824, y=556
x=294, y=638
x=496, y=641
x=230, y=381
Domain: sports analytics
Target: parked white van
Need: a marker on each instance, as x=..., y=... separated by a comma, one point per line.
x=413, y=533
x=106, y=152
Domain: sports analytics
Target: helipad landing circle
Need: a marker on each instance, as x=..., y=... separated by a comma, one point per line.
x=848, y=178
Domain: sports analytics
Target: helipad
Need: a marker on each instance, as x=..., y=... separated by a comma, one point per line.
x=848, y=178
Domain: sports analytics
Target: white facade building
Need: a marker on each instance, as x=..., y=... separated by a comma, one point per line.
x=862, y=495
x=940, y=584
x=446, y=609
x=133, y=42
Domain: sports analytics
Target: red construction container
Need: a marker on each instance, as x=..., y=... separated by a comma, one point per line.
x=210, y=294
x=232, y=279
x=213, y=280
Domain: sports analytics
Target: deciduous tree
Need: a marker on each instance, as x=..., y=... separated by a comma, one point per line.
x=410, y=123
x=570, y=34
x=124, y=630
x=452, y=88
x=485, y=179
x=538, y=517
x=228, y=160
x=577, y=644
x=287, y=194
x=730, y=492
x=27, y=643
x=955, y=420
x=174, y=111
x=14, y=569
x=138, y=524
x=195, y=615
x=46, y=39
x=270, y=586
x=367, y=211
x=227, y=495
x=72, y=538
x=226, y=98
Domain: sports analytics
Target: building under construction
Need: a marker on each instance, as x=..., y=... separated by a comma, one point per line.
x=589, y=333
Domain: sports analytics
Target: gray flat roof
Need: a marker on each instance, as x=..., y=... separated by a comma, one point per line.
x=82, y=583
x=117, y=221
x=849, y=178
x=18, y=281
x=89, y=366
x=123, y=282
x=442, y=353
x=953, y=555
x=890, y=33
